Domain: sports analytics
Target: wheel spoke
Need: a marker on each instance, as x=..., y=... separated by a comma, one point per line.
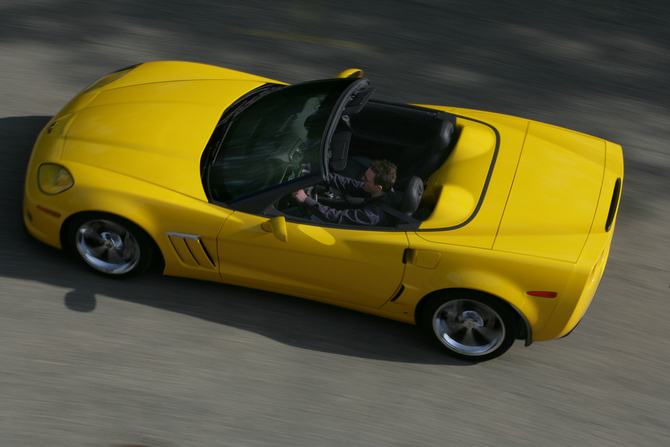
x=99, y=251
x=128, y=249
x=93, y=237
x=491, y=328
x=469, y=338
x=458, y=334
x=484, y=336
x=113, y=257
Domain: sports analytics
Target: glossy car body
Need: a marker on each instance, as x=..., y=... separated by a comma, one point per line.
x=192, y=166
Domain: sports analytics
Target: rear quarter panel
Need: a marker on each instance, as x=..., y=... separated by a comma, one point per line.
x=461, y=257
x=507, y=276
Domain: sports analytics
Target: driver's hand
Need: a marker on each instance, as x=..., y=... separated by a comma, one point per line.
x=300, y=195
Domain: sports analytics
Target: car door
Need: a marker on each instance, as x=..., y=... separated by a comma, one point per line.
x=362, y=267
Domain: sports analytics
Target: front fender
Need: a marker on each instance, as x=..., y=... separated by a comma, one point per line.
x=158, y=211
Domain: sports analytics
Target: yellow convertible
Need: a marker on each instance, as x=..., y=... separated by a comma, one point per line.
x=500, y=230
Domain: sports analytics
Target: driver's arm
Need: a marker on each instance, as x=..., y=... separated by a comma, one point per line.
x=370, y=215
x=347, y=185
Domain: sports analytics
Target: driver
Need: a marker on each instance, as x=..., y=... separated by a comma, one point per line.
x=376, y=187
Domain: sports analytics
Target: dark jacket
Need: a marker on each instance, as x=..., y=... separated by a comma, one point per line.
x=367, y=213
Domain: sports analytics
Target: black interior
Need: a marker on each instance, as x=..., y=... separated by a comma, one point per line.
x=417, y=140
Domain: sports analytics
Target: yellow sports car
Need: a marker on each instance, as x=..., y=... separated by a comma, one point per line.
x=490, y=228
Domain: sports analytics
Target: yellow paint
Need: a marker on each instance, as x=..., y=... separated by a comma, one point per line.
x=351, y=266
x=276, y=226
x=537, y=222
x=551, y=205
x=426, y=259
x=351, y=73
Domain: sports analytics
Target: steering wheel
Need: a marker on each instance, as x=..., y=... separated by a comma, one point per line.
x=310, y=192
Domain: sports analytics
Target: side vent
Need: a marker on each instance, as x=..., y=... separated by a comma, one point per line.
x=190, y=251
x=614, y=205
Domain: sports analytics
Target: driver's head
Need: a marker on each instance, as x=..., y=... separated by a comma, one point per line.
x=385, y=174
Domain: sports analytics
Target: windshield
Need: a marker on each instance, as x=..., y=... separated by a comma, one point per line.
x=275, y=140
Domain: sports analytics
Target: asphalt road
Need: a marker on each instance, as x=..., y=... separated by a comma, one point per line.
x=167, y=362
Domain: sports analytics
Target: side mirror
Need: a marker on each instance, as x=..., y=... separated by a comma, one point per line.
x=276, y=226
x=351, y=73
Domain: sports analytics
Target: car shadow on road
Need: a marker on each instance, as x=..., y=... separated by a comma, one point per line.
x=292, y=321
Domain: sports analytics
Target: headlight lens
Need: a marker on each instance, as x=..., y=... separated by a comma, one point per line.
x=53, y=179
x=109, y=79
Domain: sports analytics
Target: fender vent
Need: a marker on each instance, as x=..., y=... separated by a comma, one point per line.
x=190, y=250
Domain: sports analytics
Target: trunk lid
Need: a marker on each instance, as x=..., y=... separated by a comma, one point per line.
x=553, y=199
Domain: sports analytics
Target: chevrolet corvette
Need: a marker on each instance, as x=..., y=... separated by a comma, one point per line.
x=501, y=232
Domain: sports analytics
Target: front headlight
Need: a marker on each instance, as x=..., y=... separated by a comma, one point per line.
x=53, y=179
x=109, y=79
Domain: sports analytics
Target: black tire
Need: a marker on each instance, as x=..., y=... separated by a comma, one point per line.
x=469, y=325
x=109, y=245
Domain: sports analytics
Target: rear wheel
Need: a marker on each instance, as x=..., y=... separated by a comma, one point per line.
x=110, y=245
x=469, y=325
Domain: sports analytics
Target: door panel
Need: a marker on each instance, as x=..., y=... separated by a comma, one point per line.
x=362, y=267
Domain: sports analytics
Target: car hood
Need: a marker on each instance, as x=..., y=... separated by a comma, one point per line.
x=153, y=132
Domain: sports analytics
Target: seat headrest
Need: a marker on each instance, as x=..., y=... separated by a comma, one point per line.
x=412, y=196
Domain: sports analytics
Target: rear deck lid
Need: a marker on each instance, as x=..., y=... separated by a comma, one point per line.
x=553, y=199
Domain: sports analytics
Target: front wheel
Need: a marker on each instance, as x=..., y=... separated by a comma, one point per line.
x=110, y=245
x=469, y=325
